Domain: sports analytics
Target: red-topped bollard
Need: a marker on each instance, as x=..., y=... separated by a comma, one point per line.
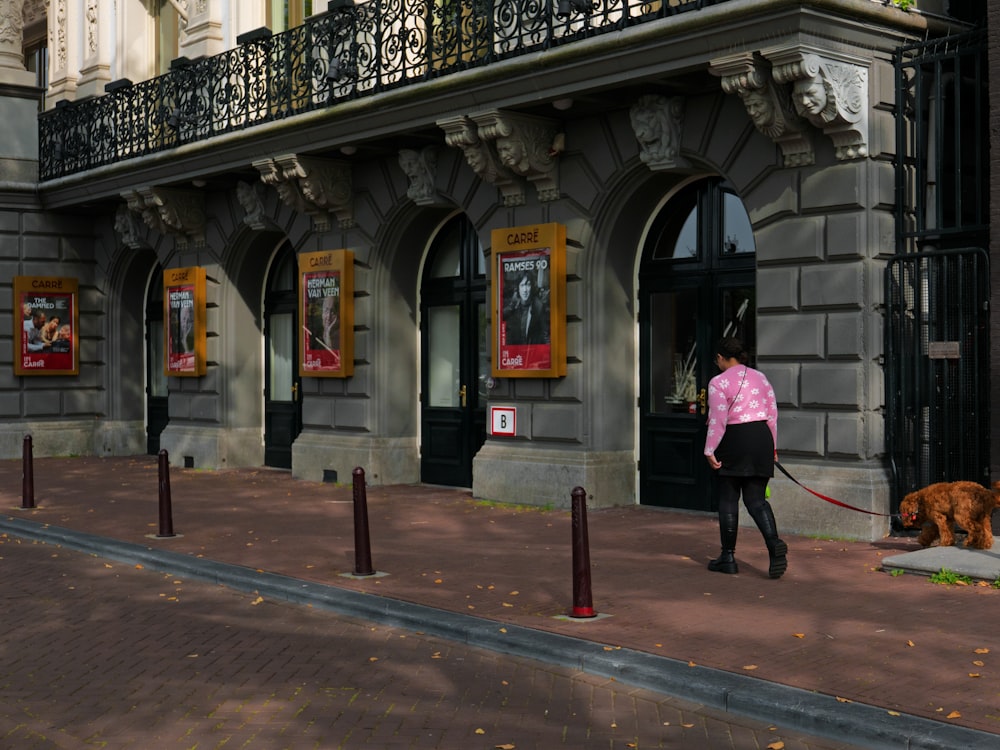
x=362, y=544
x=166, y=511
x=27, y=475
x=583, y=600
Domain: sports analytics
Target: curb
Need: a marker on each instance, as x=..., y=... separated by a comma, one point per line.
x=796, y=709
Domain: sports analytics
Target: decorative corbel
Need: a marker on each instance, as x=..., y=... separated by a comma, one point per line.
x=252, y=202
x=770, y=107
x=526, y=145
x=831, y=94
x=461, y=132
x=128, y=227
x=658, y=123
x=180, y=213
x=421, y=169
x=312, y=185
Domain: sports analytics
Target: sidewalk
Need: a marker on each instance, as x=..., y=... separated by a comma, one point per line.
x=837, y=644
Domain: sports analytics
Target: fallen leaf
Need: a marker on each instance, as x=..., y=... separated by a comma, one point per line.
x=911, y=644
x=799, y=635
x=631, y=744
x=438, y=580
x=687, y=726
x=979, y=663
x=844, y=700
x=508, y=746
x=692, y=664
x=954, y=715
x=138, y=567
x=514, y=593
x=480, y=731
x=981, y=651
x=258, y=600
x=750, y=667
x=505, y=604
x=372, y=658
x=613, y=725
x=974, y=674
x=779, y=745
x=503, y=630
x=894, y=713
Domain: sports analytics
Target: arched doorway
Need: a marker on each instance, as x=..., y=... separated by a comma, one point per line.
x=157, y=411
x=696, y=284
x=282, y=394
x=455, y=355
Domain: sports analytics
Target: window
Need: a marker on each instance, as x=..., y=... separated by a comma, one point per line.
x=283, y=15
x=167, y=22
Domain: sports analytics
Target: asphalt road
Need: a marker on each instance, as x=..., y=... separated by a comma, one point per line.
x=97, y=653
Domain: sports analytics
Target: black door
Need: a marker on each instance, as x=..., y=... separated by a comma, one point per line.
x=455, y=355
x=157, y=412
x=282, y=403
x=696, y=284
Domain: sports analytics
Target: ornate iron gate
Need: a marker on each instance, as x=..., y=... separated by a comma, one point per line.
x=937, y=368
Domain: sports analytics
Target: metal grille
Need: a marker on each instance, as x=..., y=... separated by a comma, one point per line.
x=937, y=368
x=350, y=52
x=942, y=129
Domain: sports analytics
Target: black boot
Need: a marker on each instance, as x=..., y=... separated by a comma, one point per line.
x=763, y=516
x=729, y=525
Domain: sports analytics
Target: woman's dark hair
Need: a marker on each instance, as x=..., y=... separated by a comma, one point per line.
x=732, y=348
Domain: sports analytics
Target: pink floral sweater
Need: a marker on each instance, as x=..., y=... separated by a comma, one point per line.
x=734, y=400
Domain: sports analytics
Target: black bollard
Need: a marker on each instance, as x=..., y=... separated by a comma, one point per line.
x=166, y=512
x=362, y=544
x=27, y=475
x=583, y=601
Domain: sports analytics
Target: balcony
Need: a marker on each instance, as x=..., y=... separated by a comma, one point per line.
x=348, y=53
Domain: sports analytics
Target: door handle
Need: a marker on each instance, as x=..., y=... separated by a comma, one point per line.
x=702, y=400
x=461, y=393
x=295, y=391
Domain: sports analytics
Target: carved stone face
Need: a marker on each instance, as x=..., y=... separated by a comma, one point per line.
x=476, y=157
x=510, y=151
x=760, y=109
x=810, y=95
x=646, y=125
x=312, y=190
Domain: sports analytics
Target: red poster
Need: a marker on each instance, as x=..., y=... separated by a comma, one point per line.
x=321, y=321
x=181, y=354
x=526, y=323
x=46, y=329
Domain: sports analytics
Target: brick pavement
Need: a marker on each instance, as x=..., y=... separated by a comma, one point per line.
x=834, y=624
x=102, y=654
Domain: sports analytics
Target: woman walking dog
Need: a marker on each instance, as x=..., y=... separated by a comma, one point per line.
x=741, y=446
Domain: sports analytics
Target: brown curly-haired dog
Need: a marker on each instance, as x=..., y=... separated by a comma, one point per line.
x=938, y=506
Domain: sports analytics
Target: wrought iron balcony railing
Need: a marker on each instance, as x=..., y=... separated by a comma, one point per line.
x=349, y=52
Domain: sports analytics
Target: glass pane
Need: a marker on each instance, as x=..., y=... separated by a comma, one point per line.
x=485, y=369
x=282, y=279
x=447, y=261
x=281, y=341
x=444, y=340
x=739, y=316
x=673, y=358
x=737, y=232
x=157, y=379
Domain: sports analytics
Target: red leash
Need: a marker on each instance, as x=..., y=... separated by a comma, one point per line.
x=830, y=499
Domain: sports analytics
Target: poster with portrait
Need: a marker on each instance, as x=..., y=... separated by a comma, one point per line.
x=528, y=310
x=46, y=326
x=184, y=313
x=326, y=314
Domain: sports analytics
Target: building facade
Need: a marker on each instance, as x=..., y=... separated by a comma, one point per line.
x=727, y=167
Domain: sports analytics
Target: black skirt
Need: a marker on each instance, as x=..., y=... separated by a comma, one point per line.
x=746, y=450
